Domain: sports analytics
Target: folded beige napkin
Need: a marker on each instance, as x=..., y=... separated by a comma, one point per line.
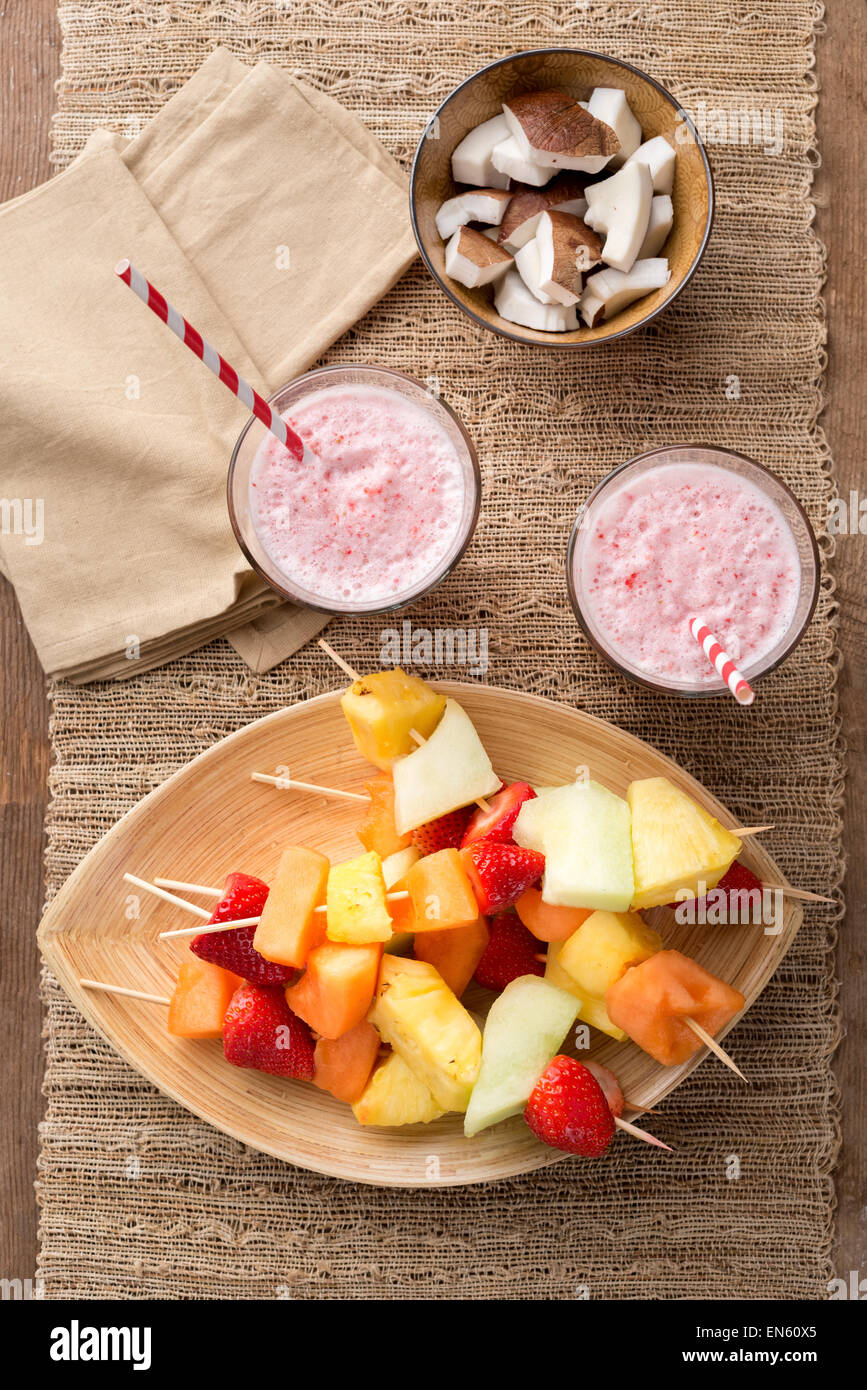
x=273, y=220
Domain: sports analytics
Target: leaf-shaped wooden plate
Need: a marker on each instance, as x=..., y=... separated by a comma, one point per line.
x=210, y=818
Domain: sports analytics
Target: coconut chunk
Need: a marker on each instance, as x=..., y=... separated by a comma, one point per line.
x=659, y=156
x=478, y=205
x=515, y=302
x=510, y=159
x=527, y=205
x=609, y=105
x=609, y=291
x=554, y=130
x=620, y=207
x=471, y=160
x=527, y=266
x=659, y=226
x=567, y=247
x=473, y=259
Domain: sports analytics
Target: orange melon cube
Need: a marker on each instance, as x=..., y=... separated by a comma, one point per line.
x=402, y=914
x=343, y=1065
x=200, y=999
x=455, y=953
x=336, y=990
x=442, y=895
x=652, y=999
x=378, y=831
x=547, y=922
x=289, y=927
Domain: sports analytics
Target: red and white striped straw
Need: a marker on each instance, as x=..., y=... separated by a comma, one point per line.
x=157, y=302
x=722, y=662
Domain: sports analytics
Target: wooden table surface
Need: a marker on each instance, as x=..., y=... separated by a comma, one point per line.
x=30, y=65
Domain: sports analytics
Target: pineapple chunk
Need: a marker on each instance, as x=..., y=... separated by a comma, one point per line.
x=355, y=898
x=592, y=1011
x=452, y=769
x=677, y=846
x=395, y=1096
x=604, y=947
x=416, y=1012
x=382, y=708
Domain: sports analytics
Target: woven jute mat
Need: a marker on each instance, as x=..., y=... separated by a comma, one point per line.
x=139, y=1199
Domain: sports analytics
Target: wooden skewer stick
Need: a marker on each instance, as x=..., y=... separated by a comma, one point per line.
x=714, y=1046
x=290, y=783
x=121, y=989
x=744, y=830
x=396, y=896
x=338, y=659
x=800, y=893
x=210, y=928
x=641, y=1134
x=183, y=887
x=167, y=897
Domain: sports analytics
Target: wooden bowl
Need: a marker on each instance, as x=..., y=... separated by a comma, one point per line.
x=209, y=819
x=576, y=71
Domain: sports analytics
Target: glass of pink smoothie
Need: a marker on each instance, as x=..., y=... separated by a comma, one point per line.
x=692, y=531
x=385, y=510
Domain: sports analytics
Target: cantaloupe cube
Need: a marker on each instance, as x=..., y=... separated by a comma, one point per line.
x=590, y=1011
x=336, y=989
x=383, y=707
x=455, y=953
x=289, y=927
x=652, y=999
x=378, y=831
x=357, y=909
x=416, y=1012
x=395, y=1095
x=200, y=999
x=605, y=946
x=343, y=1065
x=441, y=893
x=546, y=921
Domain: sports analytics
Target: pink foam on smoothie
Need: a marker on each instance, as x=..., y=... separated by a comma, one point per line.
x=685, y=540
x=380, y=508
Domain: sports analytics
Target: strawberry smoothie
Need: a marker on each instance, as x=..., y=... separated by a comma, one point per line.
x=682, y=540
x=379, y=510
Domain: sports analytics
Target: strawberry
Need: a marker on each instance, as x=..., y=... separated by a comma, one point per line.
x=567, y=1109
x=261, y=1031
x=610, y=1086
x=496, y=824
x=446, y=832
x=243, y=896
x=736, y=879
x=500, y=873
x=511, y=951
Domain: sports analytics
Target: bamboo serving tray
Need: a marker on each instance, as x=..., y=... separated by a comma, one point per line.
x=210, y=818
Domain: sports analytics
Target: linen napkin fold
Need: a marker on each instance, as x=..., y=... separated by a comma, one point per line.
x=273, y=220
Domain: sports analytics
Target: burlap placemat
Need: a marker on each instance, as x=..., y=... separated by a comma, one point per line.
x=140, y=1199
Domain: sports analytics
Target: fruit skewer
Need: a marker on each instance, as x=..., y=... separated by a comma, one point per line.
x=124, y=991
x=418, y=738
x=399, y=895
x=159, y=890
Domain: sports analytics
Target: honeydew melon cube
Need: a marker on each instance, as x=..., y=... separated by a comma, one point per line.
x=452, y=769
x=584, y=832
x=525, y=1028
